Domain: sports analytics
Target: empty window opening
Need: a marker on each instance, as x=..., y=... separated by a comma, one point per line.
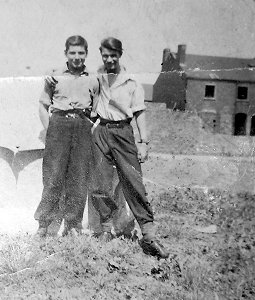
x=252, y=131
x=240, y=124
x=209, y=91
x=242, y=92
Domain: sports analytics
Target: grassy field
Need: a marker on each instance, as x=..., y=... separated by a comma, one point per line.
x=210, y=237
x=204, y=203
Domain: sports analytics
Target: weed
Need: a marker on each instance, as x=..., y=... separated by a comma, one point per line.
x=202, y=265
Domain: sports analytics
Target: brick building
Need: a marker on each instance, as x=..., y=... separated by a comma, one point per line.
x=221, y=90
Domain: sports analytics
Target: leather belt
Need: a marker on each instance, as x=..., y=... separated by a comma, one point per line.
x=73, y=113
x=114, y=124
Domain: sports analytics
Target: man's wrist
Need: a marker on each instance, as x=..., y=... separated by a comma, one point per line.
x=143, y=141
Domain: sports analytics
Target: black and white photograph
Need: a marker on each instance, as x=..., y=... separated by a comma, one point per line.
x=127, y=146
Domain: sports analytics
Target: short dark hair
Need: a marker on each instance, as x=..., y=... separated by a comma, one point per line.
x=112, y=44
x=76, y=40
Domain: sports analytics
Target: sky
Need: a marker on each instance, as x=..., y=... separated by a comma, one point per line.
x=33, y=32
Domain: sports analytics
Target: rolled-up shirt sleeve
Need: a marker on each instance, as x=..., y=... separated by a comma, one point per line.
x=137, y=103
x=46, y=95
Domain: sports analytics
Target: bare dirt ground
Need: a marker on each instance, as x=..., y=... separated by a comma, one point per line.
x=205, y=171
x=162, y=172
x=203, y=218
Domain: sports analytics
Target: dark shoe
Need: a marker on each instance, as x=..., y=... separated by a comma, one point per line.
x=106, y=237
x=154, y=248
x=72, y=230
x=54, y=227
x=103, y=237
x=41, y=232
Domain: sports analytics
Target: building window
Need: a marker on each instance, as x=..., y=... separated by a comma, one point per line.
x=252, y=131
x=242, y=92
x=210, y=91
x=240, y=124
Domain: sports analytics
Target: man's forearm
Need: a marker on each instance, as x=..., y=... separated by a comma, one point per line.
x=141, y=124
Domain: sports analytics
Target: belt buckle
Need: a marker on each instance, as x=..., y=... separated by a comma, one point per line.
x=116, y=125
x=71, y=115
x=109, y=125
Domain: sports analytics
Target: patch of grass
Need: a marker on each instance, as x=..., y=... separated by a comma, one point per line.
x=202, y=265
x=16, y=253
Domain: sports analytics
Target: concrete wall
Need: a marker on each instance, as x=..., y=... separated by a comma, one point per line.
x=19, y=119
x=169, y=88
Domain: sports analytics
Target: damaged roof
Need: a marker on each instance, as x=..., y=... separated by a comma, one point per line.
x=219, y=68
x=237, y=75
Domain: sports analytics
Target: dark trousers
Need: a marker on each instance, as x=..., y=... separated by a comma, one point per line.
x=122, y=221
x=116, y=145
x=66, y=169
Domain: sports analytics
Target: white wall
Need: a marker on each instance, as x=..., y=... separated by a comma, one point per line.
x=20, y=125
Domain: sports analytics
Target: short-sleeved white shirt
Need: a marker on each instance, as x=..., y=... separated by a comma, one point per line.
x=71, y=91
x=120, y=100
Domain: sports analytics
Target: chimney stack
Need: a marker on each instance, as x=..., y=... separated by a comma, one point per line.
x=181, y=54
x=166, y=54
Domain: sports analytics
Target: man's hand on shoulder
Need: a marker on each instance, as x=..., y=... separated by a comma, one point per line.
x=50, y=80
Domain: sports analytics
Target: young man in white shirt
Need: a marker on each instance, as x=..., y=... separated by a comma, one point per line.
x=121, y=98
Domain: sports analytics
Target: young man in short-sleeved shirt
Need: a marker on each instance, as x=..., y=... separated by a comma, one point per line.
x=121, y=98
x=64, y=109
